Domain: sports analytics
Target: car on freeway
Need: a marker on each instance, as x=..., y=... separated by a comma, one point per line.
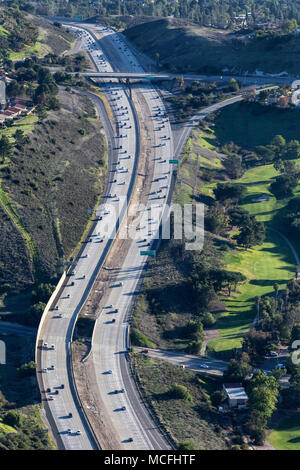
x=109, y=371
x=69, y=431
x=123, y=408
x=130, y=439
x=204, y=366
x=51, y=398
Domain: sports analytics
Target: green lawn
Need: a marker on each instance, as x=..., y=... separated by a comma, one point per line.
x=270, y=263
x=26, y=125
x=287, y=435
x=5, y=428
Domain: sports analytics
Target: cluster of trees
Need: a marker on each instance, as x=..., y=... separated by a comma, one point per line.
x=72, y=63
x=208, y=279
x=276, y=317
x=193, y=97
x=194, y=331
x=17, y=30
x=287, y=181
x=216, y=13
x=278, y=148
x=225, y=213
x=40, y=296
x=291, y=216
x=263, y=396
x=28, y=433
x=35, y=81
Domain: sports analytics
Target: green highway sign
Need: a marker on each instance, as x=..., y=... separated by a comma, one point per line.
x=148, y=253
x=173, y=161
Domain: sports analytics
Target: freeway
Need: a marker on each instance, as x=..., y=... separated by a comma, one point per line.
x=118, y=392
x=130, y=420
x=70, y=427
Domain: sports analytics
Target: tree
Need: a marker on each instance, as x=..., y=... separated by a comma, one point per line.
x=208, y=320
x=194, y=347
x=180, y=392
x=42, y=292
x=236, y=371
x=289, y=26
x=238, y=216
x=6, y=147
x=293, y=149
x=276, y=289
x=278, y=141
x=33, y=315
x=21, y=139
x=13, y=418
x=218, y=397
x=233, y=85
x=284, y=185
x=27, y=370
x=252, y=234
x=229, y=192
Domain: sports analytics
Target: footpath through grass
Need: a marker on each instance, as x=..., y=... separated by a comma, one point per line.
x=286, y=436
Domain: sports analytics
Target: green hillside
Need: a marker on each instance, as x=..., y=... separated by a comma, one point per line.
x=183, y=47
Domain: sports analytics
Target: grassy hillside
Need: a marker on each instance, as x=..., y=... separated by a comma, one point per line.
x=286, y=436
x=192, y=48
x=194, y=421
x=23, y=35
x=47, y=187
x=20, y=393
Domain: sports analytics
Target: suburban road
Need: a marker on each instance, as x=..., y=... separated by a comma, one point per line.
x=206, y=364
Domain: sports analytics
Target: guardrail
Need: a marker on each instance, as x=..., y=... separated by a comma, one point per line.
x=46, y=310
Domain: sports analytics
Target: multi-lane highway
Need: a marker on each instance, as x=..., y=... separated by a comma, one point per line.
x=59, y=323
x=131, y=423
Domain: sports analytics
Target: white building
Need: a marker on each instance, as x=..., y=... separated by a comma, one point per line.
x=236, y=395
x=2, y=92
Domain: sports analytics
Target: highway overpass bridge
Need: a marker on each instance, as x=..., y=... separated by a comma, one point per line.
x=246, y=79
